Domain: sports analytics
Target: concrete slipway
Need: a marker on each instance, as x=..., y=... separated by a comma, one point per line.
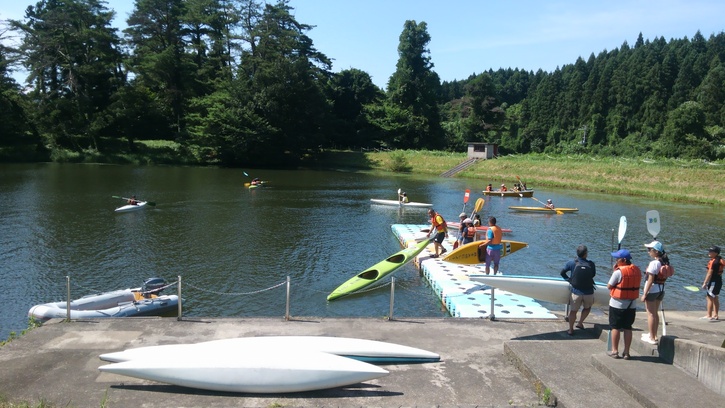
x=502, y=363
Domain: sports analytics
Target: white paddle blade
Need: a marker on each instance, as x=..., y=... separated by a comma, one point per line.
x=653, y=222
x=622, y=228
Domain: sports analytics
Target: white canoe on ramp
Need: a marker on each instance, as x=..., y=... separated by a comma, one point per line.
x=371, y=351
x=251, y=371
x=554, y=290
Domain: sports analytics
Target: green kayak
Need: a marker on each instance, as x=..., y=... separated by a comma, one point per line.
x=378, y=271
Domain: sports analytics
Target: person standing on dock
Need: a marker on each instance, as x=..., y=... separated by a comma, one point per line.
x=493, y=246
x=654, y=289
x=582, y=286
x=437, y=224
x=624, y=290
x=713, y=283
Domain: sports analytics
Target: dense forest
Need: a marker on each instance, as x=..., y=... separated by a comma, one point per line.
x=237, y=82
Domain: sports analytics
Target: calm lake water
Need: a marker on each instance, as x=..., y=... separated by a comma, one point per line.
x=234, y=247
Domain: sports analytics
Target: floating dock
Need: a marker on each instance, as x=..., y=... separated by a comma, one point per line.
x=461, y=296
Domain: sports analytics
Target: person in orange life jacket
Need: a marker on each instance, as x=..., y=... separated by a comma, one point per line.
x=503, y=187
x=713, y=283
x=489, y=187
x=654, y=289
x=582, y=286
x=438, y=224
x=549, y=204
x=624, y=290
x=494, y=246
x=469, y=232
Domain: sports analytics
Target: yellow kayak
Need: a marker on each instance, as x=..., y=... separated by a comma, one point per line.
x=471, y=254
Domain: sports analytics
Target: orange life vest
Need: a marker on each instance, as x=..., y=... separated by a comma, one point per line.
x=711, y=265
x=439, y=226
x=497, y=235
x=471, y=232
x=628, y=287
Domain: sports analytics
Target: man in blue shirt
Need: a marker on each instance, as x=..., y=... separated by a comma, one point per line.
x=582, y=286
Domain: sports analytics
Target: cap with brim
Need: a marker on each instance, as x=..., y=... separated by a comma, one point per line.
x=622, y=253
x=462, y=215
x=467, y=221
x=715, y=249
x=656, y=245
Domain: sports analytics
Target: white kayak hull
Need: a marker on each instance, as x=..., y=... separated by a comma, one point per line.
x=553, y=290
x=399, y=204
x=370, y=351
x=251, y=371
x=131, y=207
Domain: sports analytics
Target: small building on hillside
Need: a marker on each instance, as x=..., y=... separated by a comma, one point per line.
x=482, y=150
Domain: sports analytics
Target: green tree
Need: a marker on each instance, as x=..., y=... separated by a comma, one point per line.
x=73, y=58
x=349, y=91
x=413, y=88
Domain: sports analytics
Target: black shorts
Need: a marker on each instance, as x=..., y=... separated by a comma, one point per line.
x=715, y=285
x=440, y=236
x=655, y=296
x=621, y=319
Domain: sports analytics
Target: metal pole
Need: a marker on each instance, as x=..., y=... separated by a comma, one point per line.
x=178, y=293
x=67, y=304
x=492, y=316
x=286, y=315
x=392, y=298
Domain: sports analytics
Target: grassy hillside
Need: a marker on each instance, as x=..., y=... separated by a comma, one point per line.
x=671, y=180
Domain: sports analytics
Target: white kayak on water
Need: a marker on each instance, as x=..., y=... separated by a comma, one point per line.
x=371, y=351
x=131, y=207
x=255, y=370
x=554, y=290
x=397, y=203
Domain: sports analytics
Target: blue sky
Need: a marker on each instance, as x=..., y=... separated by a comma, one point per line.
x=472, y=36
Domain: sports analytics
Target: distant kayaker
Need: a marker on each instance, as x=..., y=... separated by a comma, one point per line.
x=489, y=187
x=255, y=181
x=438, y=224
x=404, y=197
x=582, y=286
x=132, y=200
x=503, y=187
x=549, y=205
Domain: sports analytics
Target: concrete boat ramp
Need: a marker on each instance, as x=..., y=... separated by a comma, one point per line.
x=501, y=363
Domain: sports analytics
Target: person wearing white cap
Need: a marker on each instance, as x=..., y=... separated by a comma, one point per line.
x=654, y=289
x=713, y=283
x=469, y=232
x=503, y=187
x=549, y=204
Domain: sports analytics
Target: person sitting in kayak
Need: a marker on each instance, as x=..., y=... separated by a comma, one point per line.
x=132, y=200
x=549, y=204
x=503, y=187
x=489, y=187
x=404, y=197
x=255, y=181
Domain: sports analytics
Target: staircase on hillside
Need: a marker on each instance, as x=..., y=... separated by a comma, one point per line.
x=460, y=167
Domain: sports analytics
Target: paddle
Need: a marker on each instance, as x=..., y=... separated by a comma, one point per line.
x=400, y=199
x=622, y=231
x=653, y=226
x=151, y=203
x=552, y=209
x=466, y=195
x=692, y=288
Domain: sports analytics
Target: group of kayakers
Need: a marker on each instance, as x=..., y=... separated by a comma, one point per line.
x=518, y=186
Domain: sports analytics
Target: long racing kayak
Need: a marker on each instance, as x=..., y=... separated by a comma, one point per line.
x=131, y=207
x=554, y=290
x=473, y=253
x=378, y=271
x=399, y=204
x=544, y=210
x=369, y=351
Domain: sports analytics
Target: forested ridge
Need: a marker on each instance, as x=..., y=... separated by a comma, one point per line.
x=240, y=82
